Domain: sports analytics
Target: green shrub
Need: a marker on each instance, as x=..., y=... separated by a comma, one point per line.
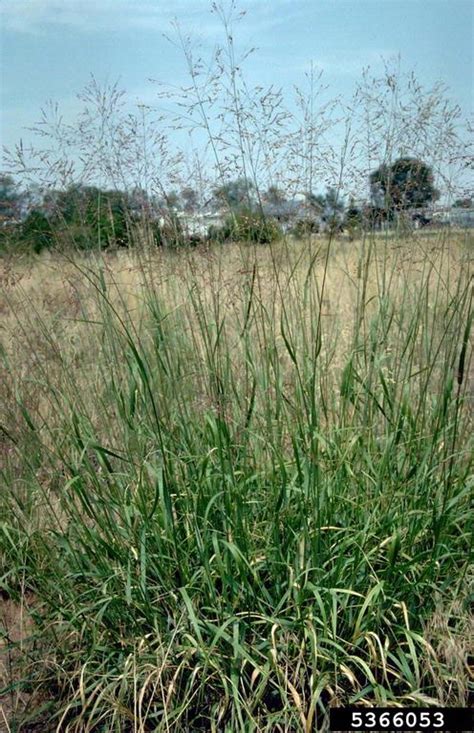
x=246, y=226
x=353, y=220
x=104, y=222
x=80, y=236
x=89, y=217
x=305, y=227
x=37, y=231
x=111, y=223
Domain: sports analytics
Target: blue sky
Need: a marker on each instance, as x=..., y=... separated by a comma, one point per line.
x=50, y=47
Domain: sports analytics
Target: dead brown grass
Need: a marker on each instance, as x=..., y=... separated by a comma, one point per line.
x=44, y=303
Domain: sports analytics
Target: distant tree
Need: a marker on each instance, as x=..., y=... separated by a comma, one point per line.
x=274, y=196
x=172, y=200
x=73, y=205
x=323, y=212
x=333, y=213
x=9, y=197
x=465, y=203
x=235, y=194
x=90, y=215
x=112, y=217
x=316, y=202
x=374, y=217
x=329, y=207
x=406, y=184
x=353, y=218
x=139, y=202
x=190, y=199
x=274, y=204
x=7, y=187
x=37, y=232
x=333, y=200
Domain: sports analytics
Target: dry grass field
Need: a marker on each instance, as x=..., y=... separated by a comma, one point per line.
x=47, y=305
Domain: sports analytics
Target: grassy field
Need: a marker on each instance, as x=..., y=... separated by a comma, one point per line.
x=235, y=484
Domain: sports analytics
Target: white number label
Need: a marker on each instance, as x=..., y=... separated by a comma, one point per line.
x=370, y=720
x=356, y=720
x=384, y=720
x=398, y=721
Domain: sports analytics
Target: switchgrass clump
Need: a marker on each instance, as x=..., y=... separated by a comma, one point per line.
x=238, y=482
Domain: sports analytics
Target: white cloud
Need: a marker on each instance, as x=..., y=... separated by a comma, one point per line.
x=35, y=16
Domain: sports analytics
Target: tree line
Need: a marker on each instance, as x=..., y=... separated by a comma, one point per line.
x=87, y=216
